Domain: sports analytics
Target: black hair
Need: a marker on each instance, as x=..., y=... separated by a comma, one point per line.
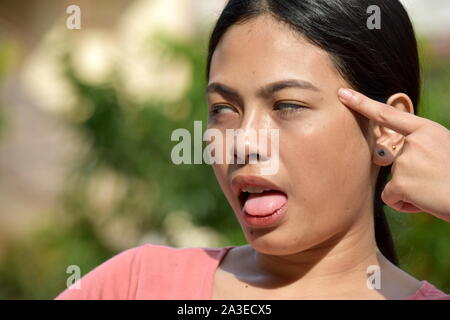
x=376, y=62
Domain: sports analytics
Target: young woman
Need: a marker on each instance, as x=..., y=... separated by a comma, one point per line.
x=316, y=228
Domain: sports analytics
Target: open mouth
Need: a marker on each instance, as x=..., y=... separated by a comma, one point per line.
x=244, y=195
x=258, y=196
x=243, y=198
x=262, y=203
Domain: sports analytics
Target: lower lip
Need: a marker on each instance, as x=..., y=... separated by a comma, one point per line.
x=265, y=221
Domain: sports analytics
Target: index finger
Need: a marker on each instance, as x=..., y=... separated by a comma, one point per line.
x=385, y=115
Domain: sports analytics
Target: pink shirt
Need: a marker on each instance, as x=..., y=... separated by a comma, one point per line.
x=157, y=272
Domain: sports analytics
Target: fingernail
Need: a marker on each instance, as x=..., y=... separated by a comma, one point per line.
x=345, y=94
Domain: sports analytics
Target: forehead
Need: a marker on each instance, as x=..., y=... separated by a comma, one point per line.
x=264, y=49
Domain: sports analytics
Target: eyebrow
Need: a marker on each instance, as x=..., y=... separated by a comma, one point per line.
x=264, y=92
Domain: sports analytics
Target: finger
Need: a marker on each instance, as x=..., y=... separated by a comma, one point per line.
x=407, y=207
x=391, y=195
x=394, y=199
x=385, y=115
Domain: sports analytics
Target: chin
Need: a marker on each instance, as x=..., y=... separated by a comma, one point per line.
x=273, y=242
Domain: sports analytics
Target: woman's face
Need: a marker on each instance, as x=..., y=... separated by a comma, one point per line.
x=325, y=166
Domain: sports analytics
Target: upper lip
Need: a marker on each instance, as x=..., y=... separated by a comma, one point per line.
x=240, y=182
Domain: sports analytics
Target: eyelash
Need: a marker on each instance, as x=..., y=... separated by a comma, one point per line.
x=298, y=108
x=215, y=109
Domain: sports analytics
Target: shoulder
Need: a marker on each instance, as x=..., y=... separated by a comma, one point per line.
x=161, y=257
x=106, y=281
x=179, y=273
x=128, y=272
x=173, y=252
x=427, y=291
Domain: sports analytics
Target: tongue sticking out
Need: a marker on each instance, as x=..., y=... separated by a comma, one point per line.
x=266, y=203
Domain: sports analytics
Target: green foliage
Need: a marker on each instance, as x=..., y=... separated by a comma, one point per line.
x=35, y=267
x=5, y=61
x=422, y=246
x=135, y=141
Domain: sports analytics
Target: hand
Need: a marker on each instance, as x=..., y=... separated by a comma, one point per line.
x=421, y=171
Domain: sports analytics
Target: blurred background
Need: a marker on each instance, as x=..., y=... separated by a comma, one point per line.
x=86, y=117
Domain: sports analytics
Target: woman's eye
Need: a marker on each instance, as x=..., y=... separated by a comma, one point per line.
x=288, y=108
x=221, y=108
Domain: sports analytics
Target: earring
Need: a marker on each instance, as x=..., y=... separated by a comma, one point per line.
x=394, y=147
x=381, y=152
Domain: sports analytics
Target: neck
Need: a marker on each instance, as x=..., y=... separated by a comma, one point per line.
x=341, y=261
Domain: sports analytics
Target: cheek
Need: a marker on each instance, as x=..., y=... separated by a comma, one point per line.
x=221, y=171
x=326, y=156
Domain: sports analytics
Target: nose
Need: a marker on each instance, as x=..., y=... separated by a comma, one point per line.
x=245, y=153
x=251, y=141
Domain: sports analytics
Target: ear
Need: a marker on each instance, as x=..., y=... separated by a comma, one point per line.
x=388, y=140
